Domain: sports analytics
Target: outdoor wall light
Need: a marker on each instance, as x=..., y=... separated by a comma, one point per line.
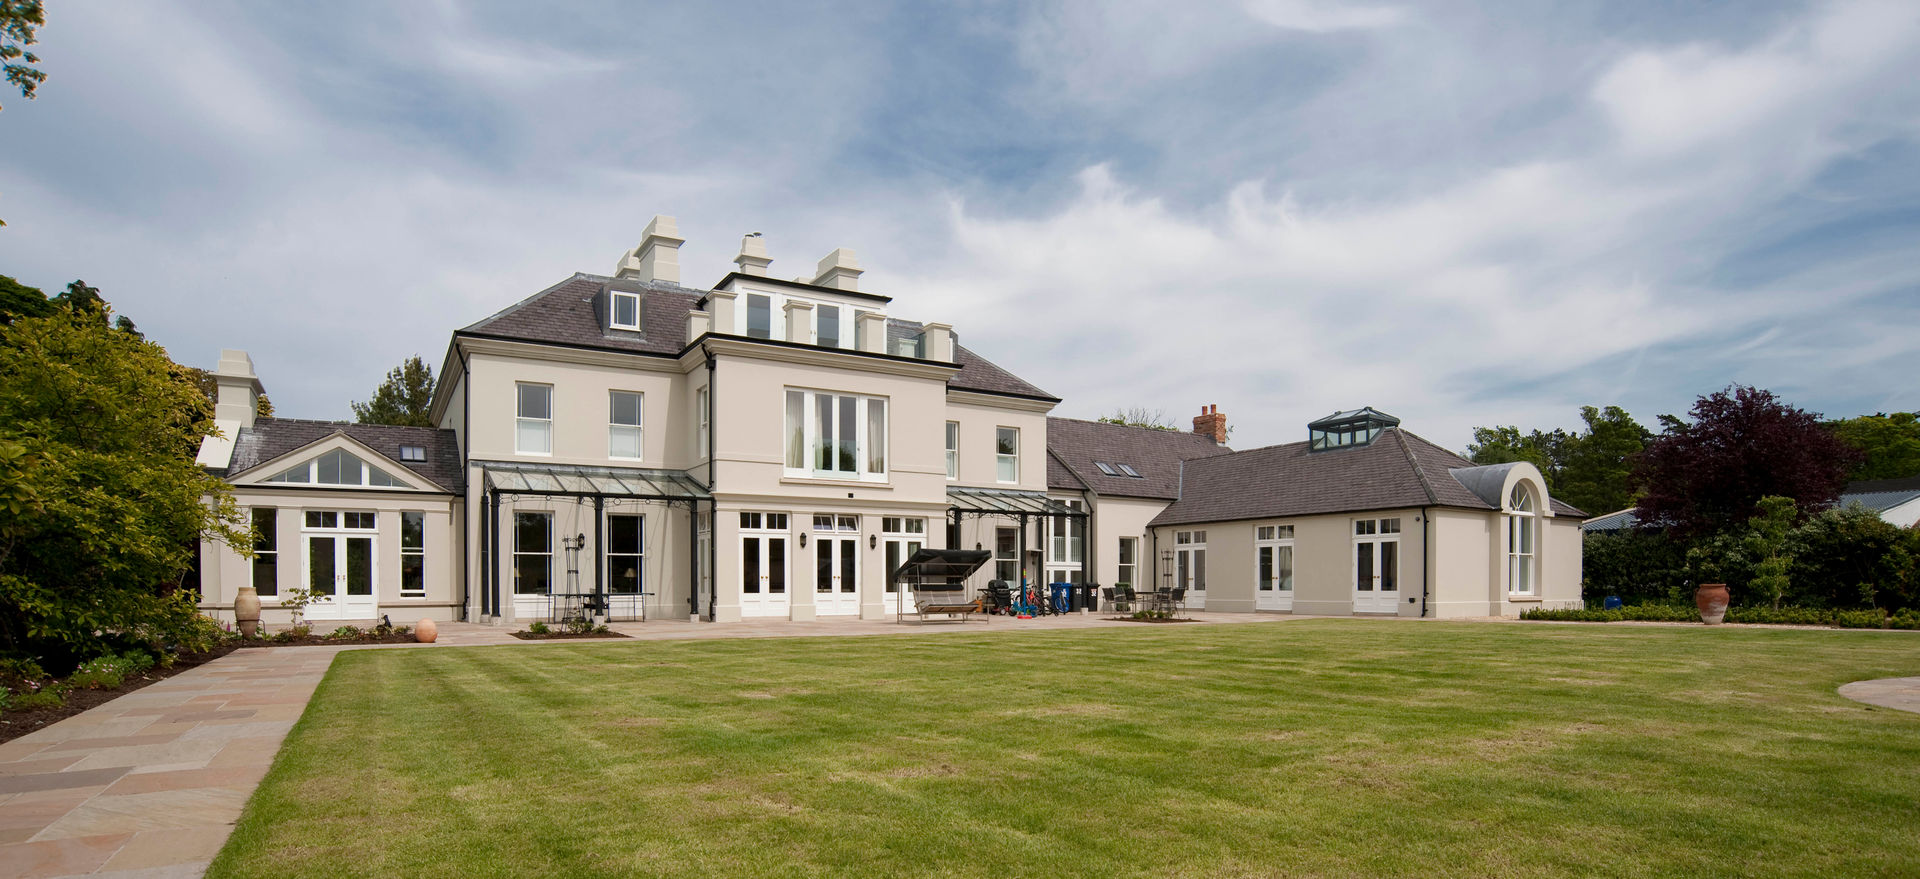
x=873, y=541
x=803, y=540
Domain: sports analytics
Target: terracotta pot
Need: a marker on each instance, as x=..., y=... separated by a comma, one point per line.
x=246, y=610
x=1711, y=598
x=427, y=631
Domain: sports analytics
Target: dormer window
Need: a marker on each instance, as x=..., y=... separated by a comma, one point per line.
x=413, y=454
x=828, y=317
x=625, y=308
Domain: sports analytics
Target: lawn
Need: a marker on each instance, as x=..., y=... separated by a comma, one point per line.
x=1338, y=748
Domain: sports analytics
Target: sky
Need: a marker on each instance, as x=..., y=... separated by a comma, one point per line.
x=1458, y=213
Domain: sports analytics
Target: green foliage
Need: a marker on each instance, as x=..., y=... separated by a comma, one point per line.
x=1776, y=616
x=1840, y=551
x=19, y=19
x=100, y=499
x=1766, y=544
x=537, y=628
x=345, y=633
x=1638, y=566
x=1140, y=416
x=1889, y=444
x=1589, y=470
x=403, y=399
x=100, y=673
x=20, y=300
x=293, y=633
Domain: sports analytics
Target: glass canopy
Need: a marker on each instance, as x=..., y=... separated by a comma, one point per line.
x=997, y=500
x=561, y=479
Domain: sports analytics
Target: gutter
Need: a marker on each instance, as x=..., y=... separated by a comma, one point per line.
x=713, y=479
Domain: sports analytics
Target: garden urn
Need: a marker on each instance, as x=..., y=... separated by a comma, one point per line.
x=246, y=611
x=1711, y=598
x=426, y=630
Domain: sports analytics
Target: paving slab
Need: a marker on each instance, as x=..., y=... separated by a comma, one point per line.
x=1898, y=693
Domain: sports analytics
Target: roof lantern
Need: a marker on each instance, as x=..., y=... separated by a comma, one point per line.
x=1349, y=429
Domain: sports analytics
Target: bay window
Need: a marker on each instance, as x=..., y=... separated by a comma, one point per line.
x=837, y=436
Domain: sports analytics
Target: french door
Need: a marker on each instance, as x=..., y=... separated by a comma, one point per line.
x=899, y=549
x=1190, y=566
x=340, y=566
x=1273, y=568
x=763, y=565
x=836, y=580
x=1376, y=566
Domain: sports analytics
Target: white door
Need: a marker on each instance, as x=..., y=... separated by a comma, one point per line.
x=836, y=575
x=340, y=576
x=899, y=549
x=1376, y=566
x=1274, y=568
x=763, y=575
x=1190, y=566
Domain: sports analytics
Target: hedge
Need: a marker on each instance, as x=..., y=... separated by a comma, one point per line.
x=1786, y=616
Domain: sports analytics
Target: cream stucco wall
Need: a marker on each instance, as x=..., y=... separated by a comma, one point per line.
x=224, y=570
x=580, y=408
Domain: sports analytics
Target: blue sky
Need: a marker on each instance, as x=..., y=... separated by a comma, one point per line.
x=1459, y=214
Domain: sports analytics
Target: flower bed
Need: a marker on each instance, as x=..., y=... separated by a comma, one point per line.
x=542, y=632
x=305, y=635
x=31, y=700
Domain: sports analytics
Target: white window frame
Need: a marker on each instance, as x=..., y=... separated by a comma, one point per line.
x=267, y=550
x=866, y=444
x=635, y=430
x=1523, y=542
x=413, y=552
x=308, y=473
x=639, y=557
x=839, y=323
x=613, y=310
x=1127, y=562
x=523, y=422
x=1271, y=538
x=1002, y=460
x=518, y=553
x=1066, y=548
x=953, y=451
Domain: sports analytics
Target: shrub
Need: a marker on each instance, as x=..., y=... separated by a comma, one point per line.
x=138, y=661
x=50, y=696
x=344, y=633
x=1639, y=566
x=580, y=625
x=100, y=673
x=6, y=699
x=537, y=628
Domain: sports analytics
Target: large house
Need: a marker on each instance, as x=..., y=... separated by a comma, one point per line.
x=775, y=448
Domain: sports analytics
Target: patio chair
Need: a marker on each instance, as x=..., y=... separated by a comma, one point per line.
x=1177, y=600
x=1125, y=600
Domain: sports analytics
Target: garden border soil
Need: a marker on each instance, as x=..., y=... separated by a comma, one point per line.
x=565, y=636
x=16, y=723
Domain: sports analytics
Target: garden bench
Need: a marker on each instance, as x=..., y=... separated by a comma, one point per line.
x=952, y=602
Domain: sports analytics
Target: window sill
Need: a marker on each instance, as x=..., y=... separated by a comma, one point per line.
x=1523, y=596
x=835, y=483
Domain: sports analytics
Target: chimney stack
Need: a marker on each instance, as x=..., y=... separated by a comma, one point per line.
x=658, y=256
x=839, y=270
x=753, y=259
x=238, y=396
x=1210, y=423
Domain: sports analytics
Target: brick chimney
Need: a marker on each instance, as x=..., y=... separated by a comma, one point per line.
x=1210, y=423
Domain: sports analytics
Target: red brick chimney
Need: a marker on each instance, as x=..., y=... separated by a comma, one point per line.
x=1210, y=423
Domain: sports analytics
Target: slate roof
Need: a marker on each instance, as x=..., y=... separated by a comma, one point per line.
x=1397, y=470
x=270, y=438
x=1074, y=445
x=565, y=314
x=1878, y=501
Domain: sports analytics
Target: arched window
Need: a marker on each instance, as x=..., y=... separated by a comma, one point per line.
x=1522, y=536
x=338, y=467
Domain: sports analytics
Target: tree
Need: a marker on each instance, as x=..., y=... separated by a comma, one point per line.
x=1767, y=546
x=1596, y=473
x=1743, y=444
x=1588, y=470
x=20, y=300
x=19, y=19
x=1140, y=416
x=402, y=399
x=1889, y=444
x=100, y=499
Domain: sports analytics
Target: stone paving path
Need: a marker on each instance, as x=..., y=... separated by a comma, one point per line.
x=150, y=784
x=1899, y=693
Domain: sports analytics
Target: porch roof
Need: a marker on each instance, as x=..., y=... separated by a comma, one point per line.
x=990, y=501
x=565, y=479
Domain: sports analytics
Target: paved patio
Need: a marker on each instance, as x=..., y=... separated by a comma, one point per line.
x=1898, y=693
x=150, y=784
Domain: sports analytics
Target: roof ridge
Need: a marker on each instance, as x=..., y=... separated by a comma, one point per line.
x=1420, y=473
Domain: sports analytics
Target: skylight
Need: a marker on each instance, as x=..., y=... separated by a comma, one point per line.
x=1128, y=468
x=1105, y=468
x=413, y=453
